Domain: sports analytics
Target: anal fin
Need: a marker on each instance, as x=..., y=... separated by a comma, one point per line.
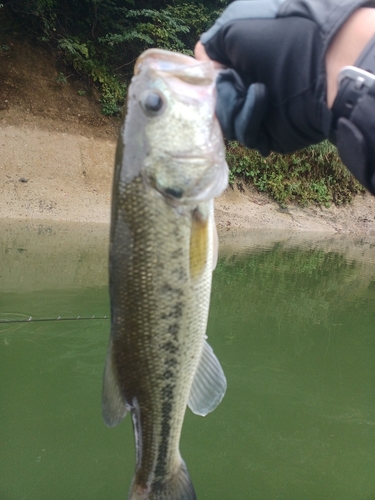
x=113, y=405
x=209, y=384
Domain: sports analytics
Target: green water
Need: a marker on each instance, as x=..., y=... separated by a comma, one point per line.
x=292, y=321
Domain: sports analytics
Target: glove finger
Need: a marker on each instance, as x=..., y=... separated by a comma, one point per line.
x=248, y=124
x=231, y=94
x=240, y=111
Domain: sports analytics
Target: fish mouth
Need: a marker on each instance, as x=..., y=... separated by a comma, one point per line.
x=184, y=67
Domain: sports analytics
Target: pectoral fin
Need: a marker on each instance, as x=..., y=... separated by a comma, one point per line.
x=209, y=384
x=198, y=244
x=113, y=405
x=202, y=225
x=215, y=247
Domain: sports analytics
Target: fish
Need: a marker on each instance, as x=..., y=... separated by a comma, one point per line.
x=169, y=166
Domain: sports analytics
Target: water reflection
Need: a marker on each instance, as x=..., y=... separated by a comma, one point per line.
x=292, y=322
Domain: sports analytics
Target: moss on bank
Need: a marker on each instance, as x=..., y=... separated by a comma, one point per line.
x=312, y=175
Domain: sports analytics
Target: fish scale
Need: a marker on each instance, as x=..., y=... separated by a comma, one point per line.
x=160, y=294
x=161, y=261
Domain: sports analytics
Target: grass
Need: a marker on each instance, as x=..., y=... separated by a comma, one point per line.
x=314, y=175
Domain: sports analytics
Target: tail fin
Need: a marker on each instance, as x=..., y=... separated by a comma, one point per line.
x=178, y=487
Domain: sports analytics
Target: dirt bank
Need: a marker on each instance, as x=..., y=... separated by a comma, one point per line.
x=57, y=154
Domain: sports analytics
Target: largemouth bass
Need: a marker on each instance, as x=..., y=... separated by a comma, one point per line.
x=170, y=164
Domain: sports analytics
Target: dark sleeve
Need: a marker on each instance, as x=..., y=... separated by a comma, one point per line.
x=328, y=15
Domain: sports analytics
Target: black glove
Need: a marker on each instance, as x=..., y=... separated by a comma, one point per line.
x=241, y=111
x=275, y=98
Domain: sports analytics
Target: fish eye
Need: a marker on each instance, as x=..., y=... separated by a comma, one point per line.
x=152, y=103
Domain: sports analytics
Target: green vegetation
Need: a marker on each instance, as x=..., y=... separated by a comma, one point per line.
x=101, y=39
x=312, y=175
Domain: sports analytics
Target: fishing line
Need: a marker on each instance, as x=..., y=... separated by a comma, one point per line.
x=30, y=319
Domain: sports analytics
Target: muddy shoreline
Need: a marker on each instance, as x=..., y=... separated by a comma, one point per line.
x=56, y=176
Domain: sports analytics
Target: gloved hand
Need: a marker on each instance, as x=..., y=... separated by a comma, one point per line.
x=273, y=97
x=241, y=111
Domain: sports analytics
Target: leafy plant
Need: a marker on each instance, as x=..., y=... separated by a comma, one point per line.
x=101, y=39
x=61, y=78
x=312, y=175
x=150, y=26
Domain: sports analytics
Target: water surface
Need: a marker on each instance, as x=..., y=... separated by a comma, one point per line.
x=292, y=322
